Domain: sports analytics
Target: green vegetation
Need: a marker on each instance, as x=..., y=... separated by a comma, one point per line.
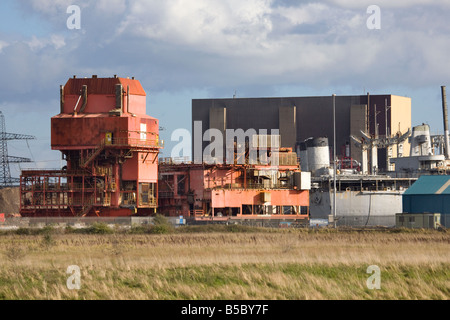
x=161, y=225
x=224, y=263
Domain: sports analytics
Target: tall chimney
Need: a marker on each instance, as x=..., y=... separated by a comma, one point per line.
x=445, y=114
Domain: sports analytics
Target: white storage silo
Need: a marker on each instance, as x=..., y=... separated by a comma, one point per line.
x=421, y=141
x=318, y=155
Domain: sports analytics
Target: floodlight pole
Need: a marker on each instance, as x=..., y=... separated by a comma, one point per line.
x=334, y=159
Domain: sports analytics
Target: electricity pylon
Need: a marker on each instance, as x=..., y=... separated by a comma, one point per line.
x=5, y=174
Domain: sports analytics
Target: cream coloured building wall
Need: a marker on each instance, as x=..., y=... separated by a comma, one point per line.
x=401, y=121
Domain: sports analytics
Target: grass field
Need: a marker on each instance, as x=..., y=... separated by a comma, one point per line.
x=226, y=263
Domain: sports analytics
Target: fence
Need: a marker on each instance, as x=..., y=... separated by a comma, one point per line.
x=75, y=221
x=348, y=221
x=362, y=221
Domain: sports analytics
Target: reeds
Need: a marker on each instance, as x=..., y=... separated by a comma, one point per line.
x=295, y=264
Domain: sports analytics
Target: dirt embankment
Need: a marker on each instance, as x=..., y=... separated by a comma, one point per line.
x=9, y=200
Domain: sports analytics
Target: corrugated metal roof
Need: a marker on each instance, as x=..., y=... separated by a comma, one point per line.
x=102, y=86
x=135, y=86
x=430, y=185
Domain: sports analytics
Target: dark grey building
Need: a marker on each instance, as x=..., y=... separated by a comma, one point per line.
x=298, y=118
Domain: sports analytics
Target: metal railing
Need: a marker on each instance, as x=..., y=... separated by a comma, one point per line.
x=165, y=194
x=194, y=213
x=175, y=160
x=253, y=186
x=121, y=142
x=144, y=143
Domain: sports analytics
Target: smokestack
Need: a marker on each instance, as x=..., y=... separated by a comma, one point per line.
x=445, y=114
x=368, y=114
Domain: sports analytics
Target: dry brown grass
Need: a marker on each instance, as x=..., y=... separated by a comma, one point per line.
x=276, y=265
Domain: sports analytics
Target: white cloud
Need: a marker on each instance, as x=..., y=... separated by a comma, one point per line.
x=49, y=7
x=55, y=40
x=111, y=6
x=214, y=26
x=36, y=44
x=175, y=43
x=3, y=44
x=354, y=4
x=309, y=13
x=217, y=46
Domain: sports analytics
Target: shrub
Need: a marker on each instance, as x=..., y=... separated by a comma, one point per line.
x=161, y=225
x=139, y=229
x=25, y=231
x=47, y=230
x=161, y=229
x=69, y=229
x=99, y=228
x=160, y=220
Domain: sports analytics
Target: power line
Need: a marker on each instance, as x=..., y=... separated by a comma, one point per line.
x=5, y=173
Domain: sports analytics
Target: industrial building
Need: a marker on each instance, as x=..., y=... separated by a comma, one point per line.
x=111, y=147
x=418, y=220
x=299, y=118
x=429, y=153
x=429, y=194
x=224, y=192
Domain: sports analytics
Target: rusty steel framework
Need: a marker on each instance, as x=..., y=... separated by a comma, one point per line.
x=224, y=192
x=111, y=154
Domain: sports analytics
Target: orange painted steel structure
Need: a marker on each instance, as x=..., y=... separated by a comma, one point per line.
x=111, y=147
x=226, y=192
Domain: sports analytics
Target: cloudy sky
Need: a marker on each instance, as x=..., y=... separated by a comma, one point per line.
x=188, y=49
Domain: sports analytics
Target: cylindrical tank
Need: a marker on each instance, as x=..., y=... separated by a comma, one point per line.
x=421, y=141
x=303, y=154
x=318, y=154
